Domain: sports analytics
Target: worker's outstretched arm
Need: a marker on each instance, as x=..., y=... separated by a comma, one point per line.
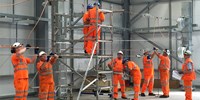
x=33, y=59
x=152, y=55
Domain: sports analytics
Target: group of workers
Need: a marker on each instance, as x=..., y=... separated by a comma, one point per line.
x=120, y=65
x=92, y=19
x=44, y=68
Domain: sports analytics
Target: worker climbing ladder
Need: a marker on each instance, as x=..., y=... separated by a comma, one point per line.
x=63, y=42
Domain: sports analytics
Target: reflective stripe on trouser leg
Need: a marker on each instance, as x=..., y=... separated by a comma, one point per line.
x=151, y=84
x=188, y=89
x=51, y=92
x=165, y=87
x=115, y=86
x=43, y=91
x=145, y=84
x=122, y=85
x=21, y=89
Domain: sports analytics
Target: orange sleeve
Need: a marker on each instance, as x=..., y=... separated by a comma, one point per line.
x=130, y=66
x=28, y=60
x=14, y=59
x=102, y=16
x=85, y=17
x=111, y=62
x=52, y=60
x=38, y=66
x=160, y=56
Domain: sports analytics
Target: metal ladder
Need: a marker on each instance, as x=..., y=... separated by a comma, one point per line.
x=99, y=57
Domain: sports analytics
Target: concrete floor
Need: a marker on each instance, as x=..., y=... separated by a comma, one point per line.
x=174, y=95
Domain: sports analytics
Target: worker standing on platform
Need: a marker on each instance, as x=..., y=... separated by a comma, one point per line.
x=188, y=74
x=118, y=68
x=44, y=67
x=20, y=64
x=93, y=29
x=164, y=68
x=86, y=22
x=135, y=74
x=148, y=73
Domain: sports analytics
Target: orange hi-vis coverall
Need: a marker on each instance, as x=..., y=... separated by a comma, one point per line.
x=164, y=68
x=188, y=76
x=118, y=68
x=85, y=28
x=46, y=89
x=136, y=75
x=20, y=76
x=148, y=75
x=93, y=29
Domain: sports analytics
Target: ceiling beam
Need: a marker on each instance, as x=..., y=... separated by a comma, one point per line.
x=112, y=2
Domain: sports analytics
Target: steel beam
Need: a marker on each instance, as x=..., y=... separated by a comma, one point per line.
x=126, y=24
x=112, y=2
x=143, y=10
x=146, y=2
x=154, y=44
x=23, y=17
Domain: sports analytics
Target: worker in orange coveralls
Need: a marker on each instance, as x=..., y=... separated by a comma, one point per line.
x=93, y=29
x=188, y=74
x=164, y=68
x=148, y=73
x=20, y=64
x=44, y=67
x=118, y=68
x=86, y=22
x=136, y=76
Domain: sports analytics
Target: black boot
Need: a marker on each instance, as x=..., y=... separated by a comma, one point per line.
x=142, y=95
x=124, y=98
x=164, y=96
x=152, y=94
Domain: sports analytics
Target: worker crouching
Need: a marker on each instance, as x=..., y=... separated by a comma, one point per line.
x=135, y=74
x=46, y=82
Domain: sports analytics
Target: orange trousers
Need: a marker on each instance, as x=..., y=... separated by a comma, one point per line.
x=137, y=82
x=46, y=91
x=21, y=88
x=85, y=32
x=188, y=89
x=164, y=80
x=148, y=82
x=92, y=39
x=118, y=78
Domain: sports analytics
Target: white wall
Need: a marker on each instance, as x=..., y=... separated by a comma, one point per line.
x=7, y=37
x=162, y=39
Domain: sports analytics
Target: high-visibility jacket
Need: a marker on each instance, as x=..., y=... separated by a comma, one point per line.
x=188, y=76
x=148, y=66
x=45, y=71
x=93, y=16
x=164, y=63
x=134, y=69
x=20, y=66
x=117, y=65
x=86, y=19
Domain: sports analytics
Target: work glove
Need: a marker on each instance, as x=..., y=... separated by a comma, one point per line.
x=148, y=57
x=36, y=50
x=28, y=46
x=154, y=48
x=180, y=72
x=12, y=50
x=52, y=54
x=48, y=58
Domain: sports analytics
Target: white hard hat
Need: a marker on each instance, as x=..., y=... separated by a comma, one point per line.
x=42, y=53
x=167, y=51
x=120, y=52
x=16, y=44
x=188, y=52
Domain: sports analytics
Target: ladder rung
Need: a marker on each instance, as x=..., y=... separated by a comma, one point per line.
x=106, y=11
x=105, y=72
x=61, y=71
x=108, y=26
x=84, y=56
x=105, y=87
x=104, y=40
